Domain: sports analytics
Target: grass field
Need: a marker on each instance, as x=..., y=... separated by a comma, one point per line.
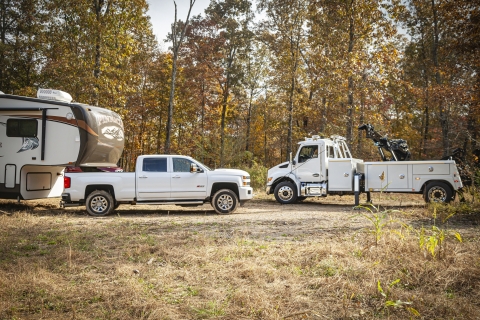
x=64, y=265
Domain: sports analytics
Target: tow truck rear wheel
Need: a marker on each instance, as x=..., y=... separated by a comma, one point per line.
x=100, y=203
x=437, y=191
x=225, y=201
x=285, y=192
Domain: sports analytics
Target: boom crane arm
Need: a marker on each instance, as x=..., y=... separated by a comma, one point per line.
x=398, y=148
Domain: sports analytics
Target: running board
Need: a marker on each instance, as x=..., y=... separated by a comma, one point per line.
x=170, y=202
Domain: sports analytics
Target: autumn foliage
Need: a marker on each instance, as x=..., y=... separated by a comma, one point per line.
x=255, y=77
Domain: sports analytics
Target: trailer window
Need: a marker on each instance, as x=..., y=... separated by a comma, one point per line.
x=155, y=164
x=22, y=128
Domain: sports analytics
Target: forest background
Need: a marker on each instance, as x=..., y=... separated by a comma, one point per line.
x=251, y=83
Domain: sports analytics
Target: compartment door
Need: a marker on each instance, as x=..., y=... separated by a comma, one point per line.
x=376, y=177
x=10, y=175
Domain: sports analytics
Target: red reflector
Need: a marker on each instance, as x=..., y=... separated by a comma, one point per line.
x=66, y=182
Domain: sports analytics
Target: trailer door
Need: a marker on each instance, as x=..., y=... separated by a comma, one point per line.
x=10, y=174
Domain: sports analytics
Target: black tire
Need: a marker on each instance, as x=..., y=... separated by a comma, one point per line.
x=224, y=201
x=285, y=192
x=437, y=191
x=100, y=203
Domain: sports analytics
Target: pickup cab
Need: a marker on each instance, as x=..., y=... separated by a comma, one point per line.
x=158, y=179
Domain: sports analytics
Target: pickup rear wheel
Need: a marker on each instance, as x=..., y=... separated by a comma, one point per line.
x=285, y=192
x=437, y=191
x=100, y=203
x=225, y=201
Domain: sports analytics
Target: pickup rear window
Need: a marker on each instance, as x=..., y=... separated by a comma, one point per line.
x=155, y=164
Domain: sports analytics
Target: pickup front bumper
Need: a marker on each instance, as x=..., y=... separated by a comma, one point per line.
x=245, y=193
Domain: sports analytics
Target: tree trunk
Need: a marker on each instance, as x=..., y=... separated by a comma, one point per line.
x=442, y=107
x=290, y=116
x=176, y=43
x=321, y=129
x=226, y=93
x=249, y=120
x=170, y=104
x=350, y=106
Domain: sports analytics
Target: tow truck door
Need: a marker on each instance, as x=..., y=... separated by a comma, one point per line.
x=308, y=164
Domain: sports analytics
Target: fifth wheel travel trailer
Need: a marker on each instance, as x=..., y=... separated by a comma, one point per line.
x=41, y=136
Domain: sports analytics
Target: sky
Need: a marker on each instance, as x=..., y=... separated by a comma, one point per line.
x=162, y=14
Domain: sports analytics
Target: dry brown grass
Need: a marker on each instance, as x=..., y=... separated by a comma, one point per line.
x=57, y=265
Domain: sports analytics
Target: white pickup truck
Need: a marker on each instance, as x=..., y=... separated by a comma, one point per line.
x=158, y=179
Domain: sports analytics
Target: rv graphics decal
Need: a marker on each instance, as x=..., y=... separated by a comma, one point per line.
x=113, y=132
x=29, y=144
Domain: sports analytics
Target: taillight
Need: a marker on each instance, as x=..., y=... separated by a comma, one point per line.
x=67, y=181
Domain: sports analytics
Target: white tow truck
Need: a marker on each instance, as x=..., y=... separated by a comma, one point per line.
x=158, y=179
x=326, y=166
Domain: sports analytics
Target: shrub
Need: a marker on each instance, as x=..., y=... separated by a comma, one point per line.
x=258, y=175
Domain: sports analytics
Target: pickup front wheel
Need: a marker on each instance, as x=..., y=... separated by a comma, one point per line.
x=225, y=201
x=100, y=203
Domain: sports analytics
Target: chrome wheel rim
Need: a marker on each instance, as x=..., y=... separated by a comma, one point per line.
x=99, y=204
x=225, y=202
x=437, y=194
x=285, y=193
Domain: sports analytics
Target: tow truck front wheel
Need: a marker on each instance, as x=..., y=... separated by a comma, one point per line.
x=100, y=203
x=285, y=192
x=225, y=201
x=437, y=191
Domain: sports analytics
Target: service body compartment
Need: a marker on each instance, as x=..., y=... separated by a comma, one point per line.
x=408, y=176
x=341, y=172
x=388, y=176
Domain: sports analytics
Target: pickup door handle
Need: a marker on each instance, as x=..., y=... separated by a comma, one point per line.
x=143, y=177
x=316, y=175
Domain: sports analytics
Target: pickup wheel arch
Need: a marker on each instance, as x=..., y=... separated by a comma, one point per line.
x=224, y=185
x=95, y=187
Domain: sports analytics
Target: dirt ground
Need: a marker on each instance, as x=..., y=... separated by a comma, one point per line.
x=318, y=259
x=261, y=218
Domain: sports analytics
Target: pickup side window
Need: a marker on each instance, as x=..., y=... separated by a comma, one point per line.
x=181, y=165
x=155, y=164
x=307, y=152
